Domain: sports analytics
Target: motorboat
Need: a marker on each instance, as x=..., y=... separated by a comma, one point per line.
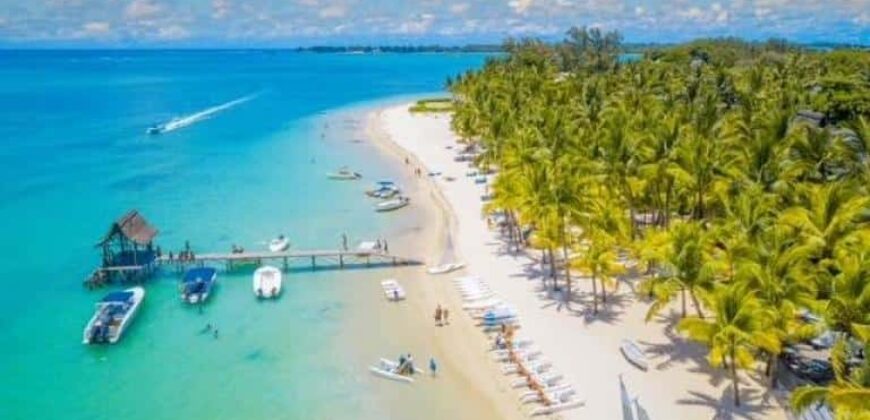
x=632, y=351
x=393, y=291
x=279, y=244
x=393, y=204
x=383, y=189
x=154, y=129
x=267, y=282
x=389, y=369
x=344, y=174
x=114, y=313
x=445, y=268
x=197, y=284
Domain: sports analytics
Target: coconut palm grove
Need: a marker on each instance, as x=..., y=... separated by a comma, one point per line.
x=733, y=175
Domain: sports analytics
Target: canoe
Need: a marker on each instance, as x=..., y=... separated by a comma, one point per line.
x=393, y=204
x=445, y=268
x=267, y=282
x=279, y=244
x=632, y=351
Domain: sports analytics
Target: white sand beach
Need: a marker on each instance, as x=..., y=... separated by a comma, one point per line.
x=680, y=384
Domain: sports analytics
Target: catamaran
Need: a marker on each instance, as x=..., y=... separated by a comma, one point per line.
x=197, y=284
x=114, y=313
x=267, y=282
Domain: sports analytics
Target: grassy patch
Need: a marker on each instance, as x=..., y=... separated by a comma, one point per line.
x=433, y=105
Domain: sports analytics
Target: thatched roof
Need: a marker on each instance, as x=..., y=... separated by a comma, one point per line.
x=133, y=227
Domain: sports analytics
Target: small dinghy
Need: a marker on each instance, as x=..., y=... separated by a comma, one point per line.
x=389, y=369
x=267, y=282
x=393, y=204
x=197, y=284
x=114, y=313
x=344, y=174
x=393, y=291
x=445, y=268
x=279, y=244
x=632, y=351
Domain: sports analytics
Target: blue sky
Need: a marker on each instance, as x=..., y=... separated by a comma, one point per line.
x=216, y=23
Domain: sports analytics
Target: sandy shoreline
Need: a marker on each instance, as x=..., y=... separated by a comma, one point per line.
x=584, y=348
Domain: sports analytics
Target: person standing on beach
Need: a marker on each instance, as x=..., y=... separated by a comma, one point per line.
x=438, y=315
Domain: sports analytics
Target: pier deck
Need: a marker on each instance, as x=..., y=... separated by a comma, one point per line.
x=336, y=257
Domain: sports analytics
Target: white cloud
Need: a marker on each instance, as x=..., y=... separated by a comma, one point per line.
x=459, y=8
x=95, y=29
x=220, y=8
x=142, y=9
x=520, y=6
x=639, y=11
x=172, y=32
x=334, y=11
x=418, y=25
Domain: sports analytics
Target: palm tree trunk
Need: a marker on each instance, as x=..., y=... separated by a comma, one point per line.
x=567, y=275
x=734, y=377
x=594, y=294
x=683, y=298
x=773, y=364
x=694, y=302
x=552, y=265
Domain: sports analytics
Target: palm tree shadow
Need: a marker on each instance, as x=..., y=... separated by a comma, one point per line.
x=752, y=407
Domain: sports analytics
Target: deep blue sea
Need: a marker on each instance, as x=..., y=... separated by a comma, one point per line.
x=74, y=156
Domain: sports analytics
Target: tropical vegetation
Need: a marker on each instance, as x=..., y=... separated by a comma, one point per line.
x=735, y=175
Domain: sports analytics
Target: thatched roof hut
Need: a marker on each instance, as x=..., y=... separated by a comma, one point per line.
x=131, y=227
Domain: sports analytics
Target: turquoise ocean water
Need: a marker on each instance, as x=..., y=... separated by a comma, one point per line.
x=74, y=156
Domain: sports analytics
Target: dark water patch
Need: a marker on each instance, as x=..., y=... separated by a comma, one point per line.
x=139, y=183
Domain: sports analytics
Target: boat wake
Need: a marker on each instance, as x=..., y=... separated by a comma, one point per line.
x=187, y=120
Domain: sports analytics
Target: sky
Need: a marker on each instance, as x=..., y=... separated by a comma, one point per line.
x=290, y=23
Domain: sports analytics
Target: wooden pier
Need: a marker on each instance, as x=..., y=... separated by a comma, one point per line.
x=334, y=258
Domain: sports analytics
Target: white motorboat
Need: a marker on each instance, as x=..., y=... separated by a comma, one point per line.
x=279, y=244
x=445, y=268
x=344, y=174
x=393, y=204
x=197, y=284
x=393, y=291
x=114, y=313
x=267, y=282
x=632, y=351
x=388, y=369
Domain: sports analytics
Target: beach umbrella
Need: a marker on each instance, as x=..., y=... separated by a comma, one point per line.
x=626, y=401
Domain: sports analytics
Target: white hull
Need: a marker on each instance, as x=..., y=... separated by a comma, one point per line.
x=634, y=354
x=386, y=369
x=116, y=332
x=393, y=204
x=267, y=282
x=445, y=268
x=279, y=244
x=393, y=291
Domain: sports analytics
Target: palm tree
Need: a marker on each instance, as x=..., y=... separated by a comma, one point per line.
x=687, y=269
x=735, y=331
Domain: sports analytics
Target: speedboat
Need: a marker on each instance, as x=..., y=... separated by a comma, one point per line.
x=154, y=129
x=197, y=284
x=383, y=189
x=114, y=313
x=632, y=351
x=267, y=282
x=445, y=268
x=344, y=174
x=279, y=244
x=393, y=204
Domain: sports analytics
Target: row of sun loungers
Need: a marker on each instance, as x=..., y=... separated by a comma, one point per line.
x=543, y=387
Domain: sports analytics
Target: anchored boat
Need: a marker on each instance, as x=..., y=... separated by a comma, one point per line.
x=197, y=284
x=393, y=204
x=279, y=244
x=114, y=313
x=344, y=174
x=267, y=282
